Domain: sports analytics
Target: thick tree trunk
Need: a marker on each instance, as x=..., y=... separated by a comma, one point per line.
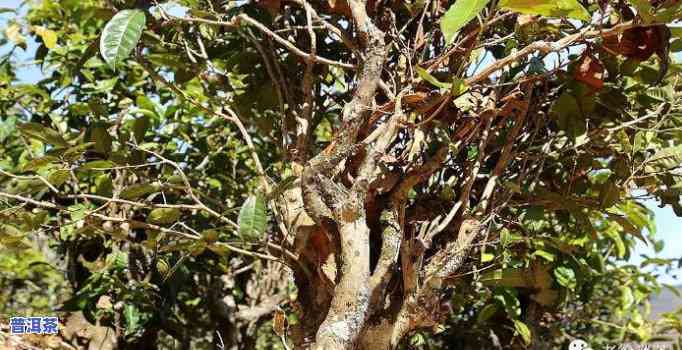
x=386, y=334
x=350, y=304
x=325, y=198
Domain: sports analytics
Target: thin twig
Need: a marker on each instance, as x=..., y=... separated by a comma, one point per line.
x=24, y=177
x=188, y=185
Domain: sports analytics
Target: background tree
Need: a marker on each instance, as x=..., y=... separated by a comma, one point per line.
x=354, y=174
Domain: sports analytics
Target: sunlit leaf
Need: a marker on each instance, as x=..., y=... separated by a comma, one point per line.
x=669, y=157
x=132, y=318
x=13, y=33
x=252, y=218
x=59, y=177
x=97, y=165
x=164, y=215
x=120, y=36
x=49, y=36
x=549, y=8
x=523, y=330
x=459, y=86
x=42, y=133
x=424, y=74
x=565, y=276
x=459, y=14
x=486, y=257
x=544, y=254
x=644, y=10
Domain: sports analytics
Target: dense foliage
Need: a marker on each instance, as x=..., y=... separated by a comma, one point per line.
x=339, y=174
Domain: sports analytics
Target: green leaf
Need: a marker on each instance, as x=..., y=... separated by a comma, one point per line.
x=120, y=36
x=146, y=104
x=38, y=163
x=510, y=277
x=544, y=254
x=458, y=15
x=617, y=240
x=138, y=190
x=565, y=276
x=49, y=37
x=485, y=257
x=523, y=330
x=627, y=226
x=103, y=86
x=73, y=154
x=103, y=185
x=59, y=177
x=164, y=215
x=508, y=299
x=505, y=237
x=78, y=211
x=609, y=194
x=117, y=260
x=424, y=74
x=669, y=13
x=568, y=114
x=132, y=318
x=97, y=165
x=459, y=87
x=252, y=218
x=486, y=313
x=626, y=298
x=644, y=10
x=140, y=127
x=42, y=133
x=102, y=138
x=548, y=8
x=676, y=45
x=668, y=158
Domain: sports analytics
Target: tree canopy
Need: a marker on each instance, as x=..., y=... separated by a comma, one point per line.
x=339, y=174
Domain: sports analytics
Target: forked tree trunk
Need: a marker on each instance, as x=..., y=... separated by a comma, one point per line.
x=325, y=199
x=360, y=314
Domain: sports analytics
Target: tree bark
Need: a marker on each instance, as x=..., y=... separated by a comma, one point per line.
x=326, y=199
x=348, y=310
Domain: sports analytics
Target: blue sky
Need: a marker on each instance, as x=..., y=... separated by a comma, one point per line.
x=666, y=221
x=669, y=232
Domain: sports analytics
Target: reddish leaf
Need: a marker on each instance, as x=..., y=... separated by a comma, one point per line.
x=278, y=323
x=611, y=43
x=590, y=71
x=339, y=7
x=642, y=42
x=272, y=6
